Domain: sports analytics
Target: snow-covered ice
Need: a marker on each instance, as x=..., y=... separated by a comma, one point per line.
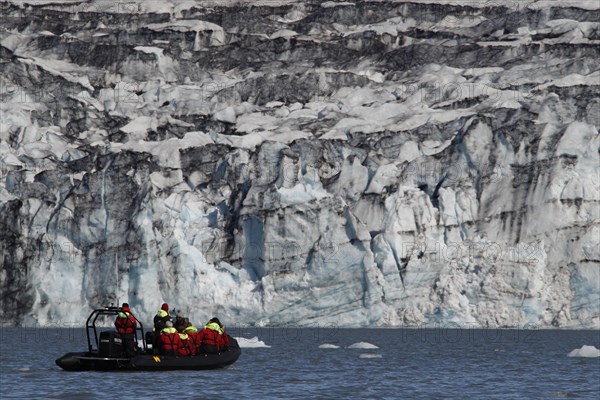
x=362, y=345
x=251, y=343
x=328, y=346
x=287, y=163
x=585, y=351
x=374, y=356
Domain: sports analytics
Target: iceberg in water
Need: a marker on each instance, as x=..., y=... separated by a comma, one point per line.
x=370, y=356
x=254, y=342
x=585, y=351
x=328, y=346
x=362, y=345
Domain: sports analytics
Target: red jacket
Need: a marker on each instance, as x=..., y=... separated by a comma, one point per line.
x=194, y=341
x=170, y=342
x=125, y=322
x=184, y=349
x=214, y=335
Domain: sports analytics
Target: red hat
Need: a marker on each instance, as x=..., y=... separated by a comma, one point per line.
x=165, y=307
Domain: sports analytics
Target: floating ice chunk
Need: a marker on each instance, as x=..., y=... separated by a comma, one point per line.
x=254, y=342
x=585, y=351
x=362, y=345
x=328, y=346
x=370, y=356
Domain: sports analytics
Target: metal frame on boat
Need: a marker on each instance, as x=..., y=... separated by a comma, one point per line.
x=90, y=324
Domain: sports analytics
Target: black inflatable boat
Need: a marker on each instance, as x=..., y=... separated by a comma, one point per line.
x=107, y=354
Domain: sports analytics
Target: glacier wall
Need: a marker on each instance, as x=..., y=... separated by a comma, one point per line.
x=376, y=163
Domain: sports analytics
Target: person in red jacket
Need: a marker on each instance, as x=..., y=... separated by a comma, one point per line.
x=184, y=349
x=194, y=339
x=126, y=325
x=213, y=337
x=170, y=341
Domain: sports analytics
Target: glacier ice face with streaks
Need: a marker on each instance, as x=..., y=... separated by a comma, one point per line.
x=379, y=163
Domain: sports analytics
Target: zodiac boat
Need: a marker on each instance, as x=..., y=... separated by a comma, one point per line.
x=105, y=352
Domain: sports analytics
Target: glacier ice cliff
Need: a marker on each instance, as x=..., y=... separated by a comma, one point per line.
x=358, y=163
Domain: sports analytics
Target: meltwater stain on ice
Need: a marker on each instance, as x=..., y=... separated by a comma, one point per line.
x=328, y=346
x=585, y=351
x=362, y=345
x=254, y=342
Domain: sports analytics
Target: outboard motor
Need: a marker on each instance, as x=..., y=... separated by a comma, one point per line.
x=111, y=344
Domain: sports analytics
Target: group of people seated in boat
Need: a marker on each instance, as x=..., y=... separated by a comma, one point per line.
x=170, y=337
x=184, y=339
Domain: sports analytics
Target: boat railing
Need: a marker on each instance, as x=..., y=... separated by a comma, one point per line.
x=90, y=326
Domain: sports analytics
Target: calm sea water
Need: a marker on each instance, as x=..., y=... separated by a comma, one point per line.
x=409, y=364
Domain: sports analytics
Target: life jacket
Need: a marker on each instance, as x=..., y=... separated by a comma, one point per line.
x=169, y=340
x=194, y=339
x=184, y=349
x=160, y=319
x=125, y=323
x=161, y=313
x=212, y=334
x=214, y=327
x=169, y=330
